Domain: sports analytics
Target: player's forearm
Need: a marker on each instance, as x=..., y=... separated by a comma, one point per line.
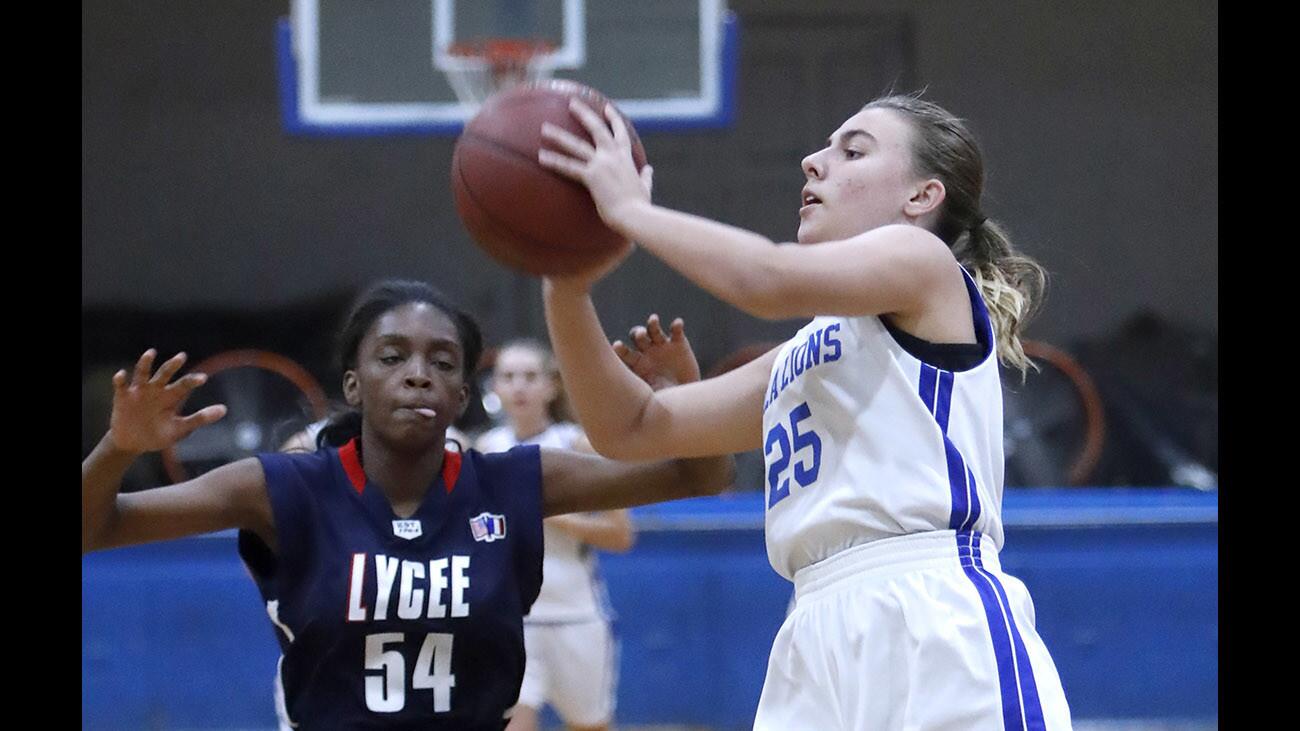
x=736, y=266
x=101, y=479
x=707, y=475
x=573, y=482
x=609, y=399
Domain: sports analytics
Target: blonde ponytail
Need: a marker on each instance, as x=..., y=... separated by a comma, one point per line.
x=1011, y=284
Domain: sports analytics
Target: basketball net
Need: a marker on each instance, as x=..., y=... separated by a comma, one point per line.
x=479, y=69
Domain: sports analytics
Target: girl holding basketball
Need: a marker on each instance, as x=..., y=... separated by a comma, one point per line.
x=572, y=658
x=396, y=572
x=880, y=420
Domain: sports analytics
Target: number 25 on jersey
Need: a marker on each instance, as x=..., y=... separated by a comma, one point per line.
x=791, y=445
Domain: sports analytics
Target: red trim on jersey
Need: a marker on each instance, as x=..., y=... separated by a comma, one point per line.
x=352, y=465
x=450, y=469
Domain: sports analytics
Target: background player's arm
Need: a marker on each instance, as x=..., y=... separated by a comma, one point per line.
x=623, y=417
x=145, y=419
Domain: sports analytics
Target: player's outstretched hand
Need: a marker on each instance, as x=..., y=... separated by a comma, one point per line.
x=146, y=409
x=660, y=359
x=604, y=165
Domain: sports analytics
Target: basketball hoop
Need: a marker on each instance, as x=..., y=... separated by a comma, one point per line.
x=479, y=69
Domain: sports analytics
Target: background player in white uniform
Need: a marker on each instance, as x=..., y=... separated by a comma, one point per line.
x=572, y=660
x=881, y=420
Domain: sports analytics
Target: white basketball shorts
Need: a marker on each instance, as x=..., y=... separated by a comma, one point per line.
x=922, y=631
x=574, y=668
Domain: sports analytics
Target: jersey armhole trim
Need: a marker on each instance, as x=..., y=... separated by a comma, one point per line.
x=450, y=469
x=952, y=357
x=352, y=465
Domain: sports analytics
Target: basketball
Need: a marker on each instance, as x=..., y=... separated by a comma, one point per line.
x=525, y=216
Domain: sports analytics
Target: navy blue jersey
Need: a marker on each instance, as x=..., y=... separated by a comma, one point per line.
x=387, y=622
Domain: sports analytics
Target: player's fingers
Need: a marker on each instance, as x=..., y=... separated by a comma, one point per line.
x=119, y=382
x=168, y=369
x=142, y=368
x=187, y=383
x=618, y=127
x=600, y=134
x=626, y=354
x=202, y=417
x=568, y=141
x=678, y=329
x=566, y=166
x=656, y=330
x=641, y=337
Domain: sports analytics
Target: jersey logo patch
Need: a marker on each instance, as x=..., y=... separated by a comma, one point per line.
x=488, y=527
x=408, y=529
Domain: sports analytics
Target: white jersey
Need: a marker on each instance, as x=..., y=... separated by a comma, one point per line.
x=571, y=587
x=863, y=441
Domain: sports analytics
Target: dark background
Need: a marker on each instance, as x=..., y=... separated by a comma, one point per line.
x=206, y=227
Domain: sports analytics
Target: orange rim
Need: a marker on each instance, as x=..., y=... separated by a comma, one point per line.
x=267, y=361
x=502, y=53
x=1094, y=414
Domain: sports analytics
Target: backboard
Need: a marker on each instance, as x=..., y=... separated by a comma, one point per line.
x=369, y=67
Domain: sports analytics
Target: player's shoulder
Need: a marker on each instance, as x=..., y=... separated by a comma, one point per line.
x=502, y=462
x=299, y=483
x=509, y=475
x=304, y=465
x=913, y=241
